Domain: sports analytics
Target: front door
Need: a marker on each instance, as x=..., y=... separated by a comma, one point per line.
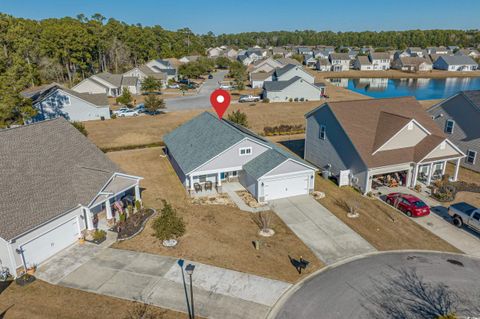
x=423, y=172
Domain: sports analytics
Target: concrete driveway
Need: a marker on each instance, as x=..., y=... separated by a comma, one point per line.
x=439, y=223
x=157, y=280
x=326, y=235
x=356, y=289
x=199, y=101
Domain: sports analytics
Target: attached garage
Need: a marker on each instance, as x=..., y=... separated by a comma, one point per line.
x=285, y=187
x=48, y=244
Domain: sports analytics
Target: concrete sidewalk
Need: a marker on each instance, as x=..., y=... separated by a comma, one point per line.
x=326, y=235
x=439, y=223
x=157, y=280
x=231, y=188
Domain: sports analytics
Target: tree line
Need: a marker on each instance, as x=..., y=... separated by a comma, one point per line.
x=67, y=50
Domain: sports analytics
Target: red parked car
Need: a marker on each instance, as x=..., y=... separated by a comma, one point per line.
x=409, y=204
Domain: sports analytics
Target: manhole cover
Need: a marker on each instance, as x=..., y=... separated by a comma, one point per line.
x=455, y=262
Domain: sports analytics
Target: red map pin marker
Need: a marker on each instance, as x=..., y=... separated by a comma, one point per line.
x=220, y=100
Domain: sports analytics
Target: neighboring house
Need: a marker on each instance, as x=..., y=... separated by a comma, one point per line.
x=231, y=53
x=164, y=66
x=459, y=118
x=363, y=63
x=415, y=51
x=412, y=64
x=309, y=61
x=143, y=71
x=289, y=71
x=380, y=60
x=304, y=50
x=208, y=149
x=214, y=52
x=321, y=54
x=258, y=78
x=266, y=65
x=294, y=89
x=339, y=61
x=189, y=58
x=400, y=54
x=455, y=63
x=53, y=100
x=453, y=48
x=285, y=61
x=438, y=50
x=365, y=141
x=111, y=84
x=323, y=65
x=56, y=185
x=245, y=59
x=474, y=54
x=434, y=57
x=281, y=51
x=352, y=54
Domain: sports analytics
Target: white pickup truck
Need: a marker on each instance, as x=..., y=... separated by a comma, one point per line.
x=465, y=214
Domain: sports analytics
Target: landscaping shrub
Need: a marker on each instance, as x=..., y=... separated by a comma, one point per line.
x=284, y=129
x=238, y=117
x=80, y=127
x=99, y=234
x=266, y=100
x=138, y=205
x=168, y=225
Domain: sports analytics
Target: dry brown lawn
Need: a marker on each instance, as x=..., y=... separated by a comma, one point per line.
x=217, y=235
x=42, y=300
x=468, y=176
x=142, y=130
x=379, y=224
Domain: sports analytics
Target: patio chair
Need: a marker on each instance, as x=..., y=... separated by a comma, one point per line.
x=198, y=187
x=208, y=186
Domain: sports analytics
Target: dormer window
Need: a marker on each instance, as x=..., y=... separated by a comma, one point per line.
x=243, y=151
x=449, y=126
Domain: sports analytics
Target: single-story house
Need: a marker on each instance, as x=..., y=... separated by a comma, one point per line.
x=323, y=65
x=56, y=186
x=257, y=79
x=111, y=84
x=366, y=143
x=214, y=52
x=294, y=89
x=412, y=64
x=265, y=65
x=209, y=149
x=291, y=70
x=459, y=118
x=54, y=100
x=455, y=63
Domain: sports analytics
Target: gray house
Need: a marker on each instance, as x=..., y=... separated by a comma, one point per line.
x=295, y=89
x=365, y=142
x=455, y=63
x=54, y=100
x=209, y=150
x=56, y=186
x=459, y=118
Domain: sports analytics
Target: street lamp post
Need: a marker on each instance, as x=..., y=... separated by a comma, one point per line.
x=189, y=269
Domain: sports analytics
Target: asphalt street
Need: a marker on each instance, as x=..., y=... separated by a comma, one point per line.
x=388, y=285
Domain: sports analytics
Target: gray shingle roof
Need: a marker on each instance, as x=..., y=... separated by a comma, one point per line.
x=205, y=136
x=264, y=163
x=473, y=96
x=458, y=59
x=285, y=69
x=339, y=56
x=279, y=85
x=47, y=168
x=40, y=93
x=114, y=79
x=129, y=80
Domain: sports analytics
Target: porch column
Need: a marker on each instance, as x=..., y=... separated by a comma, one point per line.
x=430, y=173
x=219, y=179
x=444, y=167
x=457, y=167
x=108, y=209
x=191, y=182
x=89, y=218
x=415, y=176
x=408, y=180
x=137, y=193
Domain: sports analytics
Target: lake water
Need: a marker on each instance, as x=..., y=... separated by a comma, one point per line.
x=422, y=89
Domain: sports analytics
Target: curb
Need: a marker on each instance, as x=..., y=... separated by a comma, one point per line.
x=274, y=310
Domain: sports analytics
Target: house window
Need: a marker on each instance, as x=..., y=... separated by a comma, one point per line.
x=245, y=151
x=323, y=132
x=67, y=100
x=449, y=125
x=471, y=157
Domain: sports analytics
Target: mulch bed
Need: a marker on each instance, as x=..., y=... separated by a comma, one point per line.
x=447, y=192
x=134, y=224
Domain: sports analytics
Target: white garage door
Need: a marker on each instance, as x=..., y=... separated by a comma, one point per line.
x=50, y=243
x=286, y=187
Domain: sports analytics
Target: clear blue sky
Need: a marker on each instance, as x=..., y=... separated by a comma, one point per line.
x=232, y=16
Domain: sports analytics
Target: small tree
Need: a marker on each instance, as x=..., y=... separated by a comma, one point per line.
x=81, y=127
x=168, y=225
x=222, y=62
x=238, y=117
x=154, y=103
x=125, y=98
x=150, y=84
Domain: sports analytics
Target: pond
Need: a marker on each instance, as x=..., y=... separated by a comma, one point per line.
x=421, y=88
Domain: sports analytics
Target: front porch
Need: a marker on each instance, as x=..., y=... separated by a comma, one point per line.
x=119, y=196
x=210, y=184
